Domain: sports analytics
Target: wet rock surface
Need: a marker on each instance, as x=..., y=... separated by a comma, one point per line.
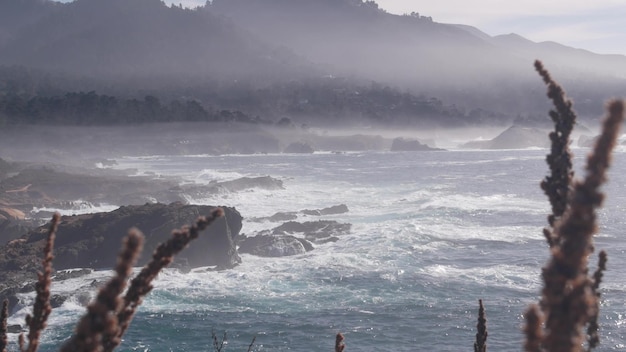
x=274, y=246
x=293, y=215
x=93, y=241
x=292, y=238
x=26, y=190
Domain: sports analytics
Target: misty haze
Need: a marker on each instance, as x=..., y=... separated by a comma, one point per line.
x=378, y=173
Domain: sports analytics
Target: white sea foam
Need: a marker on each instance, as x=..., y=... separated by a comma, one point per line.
x=77, y=207
x=495, y=202
x=516, y=277
x=460, y=232
x=496, y=160
x=209, y=175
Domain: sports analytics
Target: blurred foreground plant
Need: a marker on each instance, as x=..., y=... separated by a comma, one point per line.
x=481, y=329
x=570, y=298
x=110, y=314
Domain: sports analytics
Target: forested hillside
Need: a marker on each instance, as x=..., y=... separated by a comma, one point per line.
x=31, y=98
x=313, y=61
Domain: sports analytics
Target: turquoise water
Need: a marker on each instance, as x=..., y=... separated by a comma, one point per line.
x=432, y=233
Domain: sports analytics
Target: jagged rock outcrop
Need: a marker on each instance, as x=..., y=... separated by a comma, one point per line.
x=320, y=231
x=293, y=215
x=274, y=246
x=292, y=238
x=40, y=186
x=280, y=216
x=12, y=229
x=412, y=145
x=335, y=209
x=515, y=137
x=93, y=240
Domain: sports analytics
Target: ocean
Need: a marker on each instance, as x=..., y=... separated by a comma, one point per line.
x=432, y=233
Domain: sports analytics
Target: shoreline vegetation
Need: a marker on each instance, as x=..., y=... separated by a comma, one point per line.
x=334, y=101
x=565, y=319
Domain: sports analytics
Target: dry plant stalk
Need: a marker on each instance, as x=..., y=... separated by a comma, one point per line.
x=532, y=330
x=568, y=298
x=41, y=308
x=339, y=343
x=481, y=327
x=141, y=285
x=251, y=344
x=557, y=185
x=100, y=321
x=217, y=345
x=3, y=326
x=593, y=339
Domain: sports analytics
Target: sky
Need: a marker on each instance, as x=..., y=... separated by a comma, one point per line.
x=596, y=25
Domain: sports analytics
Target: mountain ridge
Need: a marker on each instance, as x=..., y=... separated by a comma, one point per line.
x=256, y=44
x=138, y=37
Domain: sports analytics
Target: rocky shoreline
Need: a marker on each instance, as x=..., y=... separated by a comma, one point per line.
x=88, y=242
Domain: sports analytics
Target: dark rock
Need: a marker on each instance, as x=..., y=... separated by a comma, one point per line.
x=299, y=148
x=71, y=274
x=14, y=328
x=283, y=217
x=43, y=186
x=315, y=231
x=175, y=193
x=285, y=122
x=84, y=298
x=93, y=240
x=402, y=144
x=10, y=294
x=57, y=300
x=335, y=209
x=274, y=246
x=28, y=287
x=156, y=221
x=292, y=215
x=292, y=238
x=13, y=223
x=13, y=229
x=280, y=216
